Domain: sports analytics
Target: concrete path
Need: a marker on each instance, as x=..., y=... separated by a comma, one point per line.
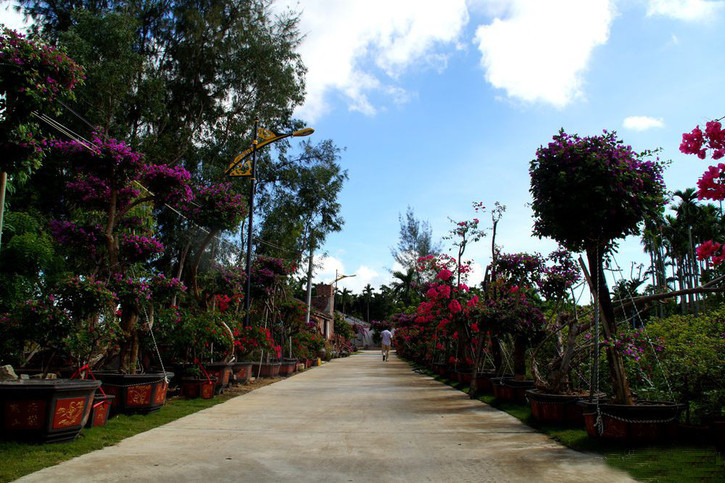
x=352, y=420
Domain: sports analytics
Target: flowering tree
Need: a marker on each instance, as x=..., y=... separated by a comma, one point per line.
x=215, y=207
x=33, y=78
x=588, y=193
x=711, y=185
x=110, y=221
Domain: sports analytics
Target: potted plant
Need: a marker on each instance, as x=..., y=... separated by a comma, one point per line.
x=197, y=382
x=587, y=193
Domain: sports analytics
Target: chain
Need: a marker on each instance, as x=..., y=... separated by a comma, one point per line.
x=639, y=421
x=158, y=354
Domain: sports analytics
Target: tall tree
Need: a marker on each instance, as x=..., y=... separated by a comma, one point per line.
x=416, y=241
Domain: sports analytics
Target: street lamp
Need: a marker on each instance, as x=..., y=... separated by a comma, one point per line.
x=241, y=167
x=338, y=278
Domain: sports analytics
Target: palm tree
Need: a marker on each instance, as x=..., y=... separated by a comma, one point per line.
x=403, y=284
x=368, y=292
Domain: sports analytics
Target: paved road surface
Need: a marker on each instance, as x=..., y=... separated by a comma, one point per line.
x=352, y=420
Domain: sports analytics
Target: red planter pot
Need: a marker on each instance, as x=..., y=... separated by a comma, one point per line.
x=464, y=377
x=136, y=393
x=483, y=381
x=45, y=411
x=287, y=367
x=99, y=410
x=646, y=421
x=241, y=372
x=558, y=408
x=193, y=387
x=509, y=389
x=266, y=369
x=222, y=371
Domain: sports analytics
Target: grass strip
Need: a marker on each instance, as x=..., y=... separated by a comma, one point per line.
x=665, y=463
x=20, y=459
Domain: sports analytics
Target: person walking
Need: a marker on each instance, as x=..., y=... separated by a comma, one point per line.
x=387, y=339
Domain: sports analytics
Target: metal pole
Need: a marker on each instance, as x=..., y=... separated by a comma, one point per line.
x=310, y=266
x=3, y=182
x=248, y=291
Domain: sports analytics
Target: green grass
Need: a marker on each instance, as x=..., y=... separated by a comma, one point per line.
x=671, y=463
x=20, y=459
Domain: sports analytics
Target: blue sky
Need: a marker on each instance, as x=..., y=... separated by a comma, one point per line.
x=440, y=104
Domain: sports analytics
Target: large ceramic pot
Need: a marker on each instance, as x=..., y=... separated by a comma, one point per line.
x=646, y=421
x=136, y=393
x=45, y=411
x=266, y=369
x=483, y=381
x=195, y=387
x=558, y=408
x=223, y=373
x=241, y=372
x=99, y=410
x=287, y=367
x=510, y=389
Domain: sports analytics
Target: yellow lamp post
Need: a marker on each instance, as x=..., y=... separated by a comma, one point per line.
x=243, y=166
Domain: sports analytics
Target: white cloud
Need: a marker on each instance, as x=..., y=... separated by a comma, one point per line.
x=643, y=123
x=688, y=10
x=12, y=19
x=538, y=51
x=328, y=268
x=356, y=47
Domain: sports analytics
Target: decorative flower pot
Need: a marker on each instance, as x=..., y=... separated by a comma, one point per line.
x=464, y=377
x=646, y=421
x=510, y=389
x=266, y=369
x=223, y=373
x=558, y=408
x=136, y=393
x=99, y=410
x=241, y=372
x=287, y=367
x=483, y=381
x=44, y=411
x=195, y=387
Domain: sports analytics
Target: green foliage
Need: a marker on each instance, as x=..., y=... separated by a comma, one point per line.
x=692, y=359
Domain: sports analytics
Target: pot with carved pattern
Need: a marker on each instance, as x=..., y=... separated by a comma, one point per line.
x=136, y=393
x=45, y=411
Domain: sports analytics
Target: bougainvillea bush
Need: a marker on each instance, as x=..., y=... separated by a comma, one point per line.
x=711, y=185
x=109, y=232
x=34, y=76
x=589, y=192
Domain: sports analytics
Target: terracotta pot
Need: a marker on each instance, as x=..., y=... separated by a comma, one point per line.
x=195, y=387
x=45, y=411
x=136, y=393
x=222, y=371
x=99, y=410
x=646, y=421
x=266, y=369
x=483, y=381
x=558, y=408
x=287, y=367
x=464, y=377
x=510, y=389
x=241, y=372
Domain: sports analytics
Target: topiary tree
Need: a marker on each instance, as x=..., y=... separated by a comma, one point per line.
x=110, y=225
x=587, y=194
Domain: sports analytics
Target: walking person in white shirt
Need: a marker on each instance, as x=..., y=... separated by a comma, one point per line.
x=387, y=339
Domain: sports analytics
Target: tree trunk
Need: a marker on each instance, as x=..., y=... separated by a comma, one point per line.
x=129, y=344
x=519, y=357
x=197, y=260
x=620, y=384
